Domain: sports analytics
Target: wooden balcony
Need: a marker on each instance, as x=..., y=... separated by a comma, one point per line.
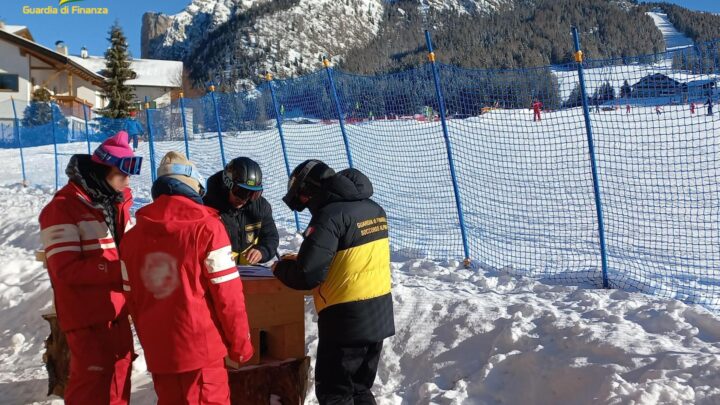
x=72, y=106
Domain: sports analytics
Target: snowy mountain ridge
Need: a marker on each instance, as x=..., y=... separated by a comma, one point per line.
x=285, y=36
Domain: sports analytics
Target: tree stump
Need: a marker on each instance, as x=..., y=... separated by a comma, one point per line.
x=285, y=381
x=56, y=357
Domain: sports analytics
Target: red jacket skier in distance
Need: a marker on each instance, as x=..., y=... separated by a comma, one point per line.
x=183, y=289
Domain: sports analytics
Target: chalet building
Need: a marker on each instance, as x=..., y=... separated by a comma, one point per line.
x=73, y=80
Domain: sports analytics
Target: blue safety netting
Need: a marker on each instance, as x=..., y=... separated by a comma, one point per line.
x=521, y=143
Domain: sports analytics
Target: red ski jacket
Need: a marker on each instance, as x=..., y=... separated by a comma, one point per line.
x=182, y=287
x=82, y=258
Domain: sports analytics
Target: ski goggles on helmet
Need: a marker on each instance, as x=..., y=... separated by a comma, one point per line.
x=243, y=193
x=128, y=165
x=188, y=171
x=248, y=190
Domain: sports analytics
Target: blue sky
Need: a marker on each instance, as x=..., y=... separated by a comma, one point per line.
x=86, y=30
x=701, y=5
x=91, y=30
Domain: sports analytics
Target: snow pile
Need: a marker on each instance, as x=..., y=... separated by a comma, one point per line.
x=463, y=336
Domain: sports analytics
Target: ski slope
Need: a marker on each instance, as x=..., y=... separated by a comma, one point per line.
x=463, y=336
x=674, y=39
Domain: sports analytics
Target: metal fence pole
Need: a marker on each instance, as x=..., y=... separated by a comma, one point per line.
x=151, y=140
x=52, y=126
x=278, y=122
x=16, y=127
x=341, y=120
x=448, y=146
x=593, y=164
x=185, y=133
x=217, y=121
x=87, y=128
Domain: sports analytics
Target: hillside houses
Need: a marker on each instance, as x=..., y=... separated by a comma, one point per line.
x=74, y=81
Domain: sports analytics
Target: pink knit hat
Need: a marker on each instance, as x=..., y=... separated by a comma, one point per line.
x=117, y=145
x=116, y=151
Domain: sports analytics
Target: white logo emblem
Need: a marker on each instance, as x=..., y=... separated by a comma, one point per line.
x=160, y=275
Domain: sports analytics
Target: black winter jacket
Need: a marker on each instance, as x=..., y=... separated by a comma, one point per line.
x=345, y=259
x=244, y=225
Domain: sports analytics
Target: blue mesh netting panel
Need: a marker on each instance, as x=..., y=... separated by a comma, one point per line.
x=250, y=130
x=525, y=178
x=657, y=150
x=10, y=144
x=168, y=134
x=202, y=130
x=400, y=146
x=310, y=123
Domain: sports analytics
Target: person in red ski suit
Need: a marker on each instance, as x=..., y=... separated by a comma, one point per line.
x=536, y=106
x=80, y=230
x=184, y=291
x=692, y=108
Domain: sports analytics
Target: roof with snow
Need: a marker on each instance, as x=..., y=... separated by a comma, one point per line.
x=150, y=72
x=13, y=28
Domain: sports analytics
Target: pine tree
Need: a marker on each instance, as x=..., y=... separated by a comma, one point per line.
x=37, y=115
x=41, y=111
x=117, y=71
x=625, y=90
x=575, y=98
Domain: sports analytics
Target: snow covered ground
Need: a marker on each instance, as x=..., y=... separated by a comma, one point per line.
x=463, y=336
x=489, y=335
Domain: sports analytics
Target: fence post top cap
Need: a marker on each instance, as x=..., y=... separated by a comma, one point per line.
x=326, y=62
x=211, y=87
x=268, y=76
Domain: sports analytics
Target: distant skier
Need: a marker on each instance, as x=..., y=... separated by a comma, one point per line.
x=597, y=106
x=627, y=109
x=709, y=104
x=658, y=110
x=692, y=108
x=536, y=106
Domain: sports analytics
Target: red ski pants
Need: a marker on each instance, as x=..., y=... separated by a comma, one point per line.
x=205, y=386
x=100, y=364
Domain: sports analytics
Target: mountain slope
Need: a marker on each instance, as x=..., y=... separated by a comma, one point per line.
x=227, y=40
x=233, y=42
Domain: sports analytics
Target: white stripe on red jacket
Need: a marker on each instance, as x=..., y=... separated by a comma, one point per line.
x=182, y=287
x=82, y=258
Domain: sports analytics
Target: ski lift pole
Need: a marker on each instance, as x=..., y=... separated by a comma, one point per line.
x=16, y=128
x=217, y=121
x=341, y=121
x=87, y=130
x=448, y=147
x=185, y=133
x=278, y=122
x=593, y=163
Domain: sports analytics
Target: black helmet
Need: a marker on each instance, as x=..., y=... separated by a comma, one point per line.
x=306, y=179
x=243, y=177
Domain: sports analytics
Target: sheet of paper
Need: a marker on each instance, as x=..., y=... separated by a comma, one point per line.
x=254, y=271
